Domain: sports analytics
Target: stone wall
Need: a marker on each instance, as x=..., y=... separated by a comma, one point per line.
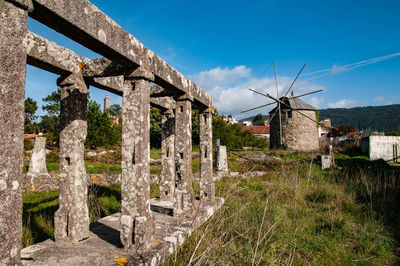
x=298, y=132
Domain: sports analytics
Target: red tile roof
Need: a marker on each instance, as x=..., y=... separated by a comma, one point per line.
x=258, y=129
x=31, y=136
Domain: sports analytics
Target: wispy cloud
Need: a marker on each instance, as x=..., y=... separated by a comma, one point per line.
x=230, y=89
x=336, y=69
x=379, y=99
x=344, y=103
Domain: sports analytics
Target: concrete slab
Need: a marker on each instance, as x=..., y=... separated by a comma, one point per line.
x=104, y=245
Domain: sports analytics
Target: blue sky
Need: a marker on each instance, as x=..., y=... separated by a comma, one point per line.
x=227, y=47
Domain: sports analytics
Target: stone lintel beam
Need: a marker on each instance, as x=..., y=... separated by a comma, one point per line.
x=207, y=189
x=102, y=67
x=84, y=23
x=137, y=221
x=183, y=195
x=163, y=103
x=71, y=220
x=13, y=28
x=51, y=57
x=24, y=4
x=167, y=178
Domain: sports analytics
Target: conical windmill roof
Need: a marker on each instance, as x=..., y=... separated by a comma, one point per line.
x=295, y=103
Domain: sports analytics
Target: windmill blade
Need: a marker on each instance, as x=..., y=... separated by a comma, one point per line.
x=279, y=105
x=298, y=74
x=292, y=97
x=291, y=108
x=259, y=92
x=244, y=111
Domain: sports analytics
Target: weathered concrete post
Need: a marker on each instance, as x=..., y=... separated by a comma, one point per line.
x=207, y=189
x=167, y=182
x=71, y=220
x=183, y=195
x=137, y=221
x=13, y=29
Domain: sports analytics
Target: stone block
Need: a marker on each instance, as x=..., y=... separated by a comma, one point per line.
x=222, y=160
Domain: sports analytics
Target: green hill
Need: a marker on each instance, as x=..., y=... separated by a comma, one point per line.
x=380, y=118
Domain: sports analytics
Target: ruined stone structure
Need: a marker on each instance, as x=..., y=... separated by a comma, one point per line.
x=128, y=68
x=299, y=133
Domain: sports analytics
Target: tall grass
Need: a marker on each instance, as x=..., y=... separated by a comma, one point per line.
x=295, y=215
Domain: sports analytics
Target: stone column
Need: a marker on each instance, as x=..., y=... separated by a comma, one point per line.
x=183, y=195
x=71, y=220
x=167, y=182
x=13, y=29
x=207, y=189
x=137, y=221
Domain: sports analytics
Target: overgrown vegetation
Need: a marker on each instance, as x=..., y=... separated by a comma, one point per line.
x=234, y=136
x=298, y=214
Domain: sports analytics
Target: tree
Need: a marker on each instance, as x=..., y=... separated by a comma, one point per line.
x=100, y=128
x=195, y=127
x=155, y=128
x=258, y=120
x=30, y=110
x=51, y=121
x=53, y=103
x=115, y=110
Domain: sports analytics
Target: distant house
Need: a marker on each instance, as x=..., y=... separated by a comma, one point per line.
x=229, y=119
x=247, y=123
x=259, y=131
x=324, y=128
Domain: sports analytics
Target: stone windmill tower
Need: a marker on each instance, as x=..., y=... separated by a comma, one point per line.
x=293, y=121
x=297, y=129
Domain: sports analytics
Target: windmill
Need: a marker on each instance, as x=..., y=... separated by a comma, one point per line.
x=285, y=103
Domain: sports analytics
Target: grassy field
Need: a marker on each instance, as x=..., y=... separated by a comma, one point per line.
x=297, y=214
x=294, y=214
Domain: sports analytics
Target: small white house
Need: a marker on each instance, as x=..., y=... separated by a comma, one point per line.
x=382, y=147
x=247, y=123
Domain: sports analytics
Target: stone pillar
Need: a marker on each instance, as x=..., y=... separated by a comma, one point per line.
x=183, y=195
x=137, y=221
x=71, y=220
x=167, y=182
x=207, y=189
x=13, y=29
x=37, y=172
x=222, y=160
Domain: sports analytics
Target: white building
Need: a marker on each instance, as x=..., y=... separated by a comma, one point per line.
x=229, y=119
x=382, y=147
x=247, y=123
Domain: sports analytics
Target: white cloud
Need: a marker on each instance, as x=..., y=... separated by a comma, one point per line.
x=229, y=88
x=315, y=101
x=220, y=76
x=379, y=99
x=344, y=103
